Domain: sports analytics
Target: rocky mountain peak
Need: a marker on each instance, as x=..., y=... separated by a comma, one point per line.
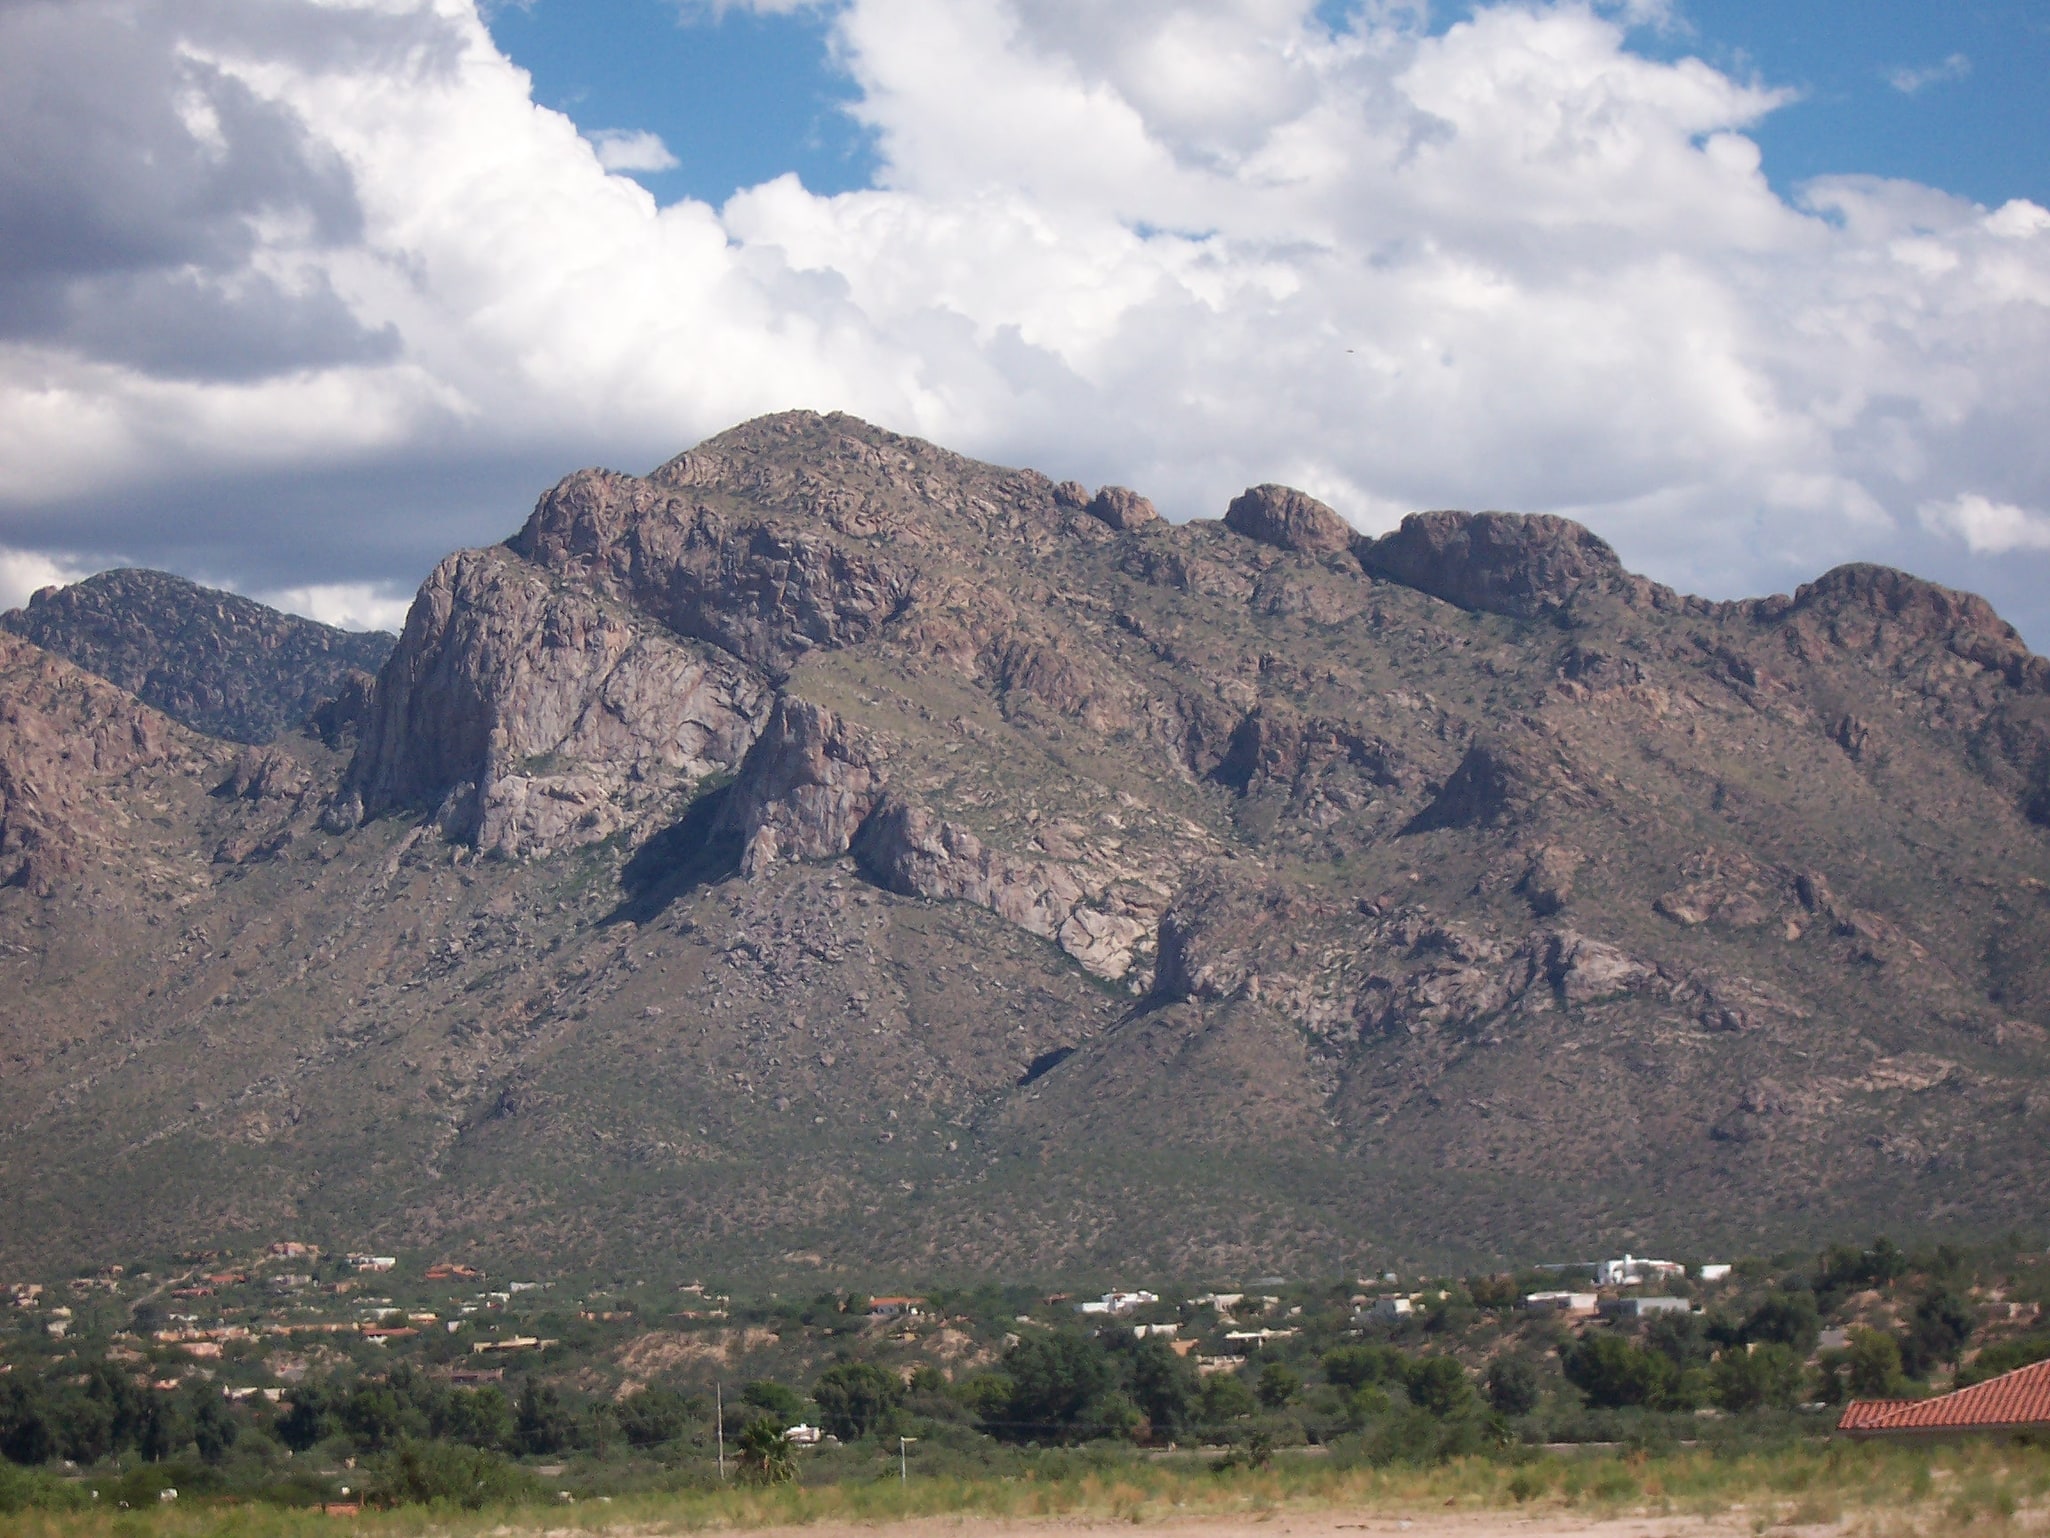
x=217, y=662
x=914, y=852
x=1521, y=565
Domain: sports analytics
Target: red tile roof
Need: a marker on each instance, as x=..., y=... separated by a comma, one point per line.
x=2018, y=1398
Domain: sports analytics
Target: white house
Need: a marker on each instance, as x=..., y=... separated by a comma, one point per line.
x=1391, y=1308
x=1715, y=1272
x=1633, y=1271
x=1117, y=1303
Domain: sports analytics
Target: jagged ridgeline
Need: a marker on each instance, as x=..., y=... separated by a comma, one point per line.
x=829, y=851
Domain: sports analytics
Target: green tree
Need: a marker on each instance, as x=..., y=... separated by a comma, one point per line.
x=1439, y=1385
x=1614, y=1374
x=1872, y=1364
x=1767, y=1376
x=1787, y=1319
x=1513, y=1387
x=481, y=1417
x=778, y=1399
x=1939, y=1327
x=1279, y=1383
x=542, y=1423
x=1054, y=1381
x=855, y=1398
x=214, y=1426
x=1352, y=1367
x=306, y=1420
x=1225, y=1398
x=654, y=1416
x=1164, y=1387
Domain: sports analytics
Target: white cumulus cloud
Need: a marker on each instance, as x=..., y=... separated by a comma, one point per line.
x=1987, y=527
x=632, y=149
x=332, y=293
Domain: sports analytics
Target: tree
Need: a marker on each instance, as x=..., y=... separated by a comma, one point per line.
x=542, y=1423
x=778, y=1399
x=1278, y=1384
x=1225, y=1398
x=481, y=1417
x=1164, y=1387
x=1872, y=1364
x=1054, y=1381
x=1439, y=1385
x=28, y=1432
x=1678, y=1338
x=763, y=1453
x=1767, y=1376
x=214, y=1427
x=305, y=1421
x=1787, y=1319
x=1513, y=1385
x=1937, y=1330
x=854, y=1398
x=1353, y=1367
x=654, y=1416
x=1614, y=1374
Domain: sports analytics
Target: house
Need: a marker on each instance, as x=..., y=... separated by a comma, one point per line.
x=1141, y=1331
x=1715, y=1271
x=803, y=1436
x=449, y=1271
x=1391, y=1309
x=1644, y=1308
x=1117, y=1303
x=373, y=1262
x=2014, y=1401
x=1634, y=1271
x=1581, y=1303
x=1253, y=1340
x=891, y=1308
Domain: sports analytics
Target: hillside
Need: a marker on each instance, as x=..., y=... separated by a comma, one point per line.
x=217, y=662
x=829, y=851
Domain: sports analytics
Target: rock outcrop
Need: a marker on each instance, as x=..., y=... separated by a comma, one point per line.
x=1523, y=566
x=1122, y=508
x=534, y=716
x=1289, y=520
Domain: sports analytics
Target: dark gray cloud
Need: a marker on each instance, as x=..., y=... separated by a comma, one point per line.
x=140, y=180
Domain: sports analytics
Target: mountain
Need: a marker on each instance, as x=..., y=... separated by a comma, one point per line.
x=217, y=662
x=829, y=852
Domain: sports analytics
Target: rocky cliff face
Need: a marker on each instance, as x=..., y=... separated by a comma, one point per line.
x=932, y=849
x=217, y=662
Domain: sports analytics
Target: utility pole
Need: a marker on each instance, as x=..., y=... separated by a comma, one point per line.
x=719, y=1415
x=904, y=1462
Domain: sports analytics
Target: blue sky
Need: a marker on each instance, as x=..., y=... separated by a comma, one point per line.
x=1954, y=95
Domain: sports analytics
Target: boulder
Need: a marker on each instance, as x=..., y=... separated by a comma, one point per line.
x=1523, y=566
x=1122, y=508
x=1289, y=520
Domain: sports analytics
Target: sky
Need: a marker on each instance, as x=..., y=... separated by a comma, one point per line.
x=298, y=295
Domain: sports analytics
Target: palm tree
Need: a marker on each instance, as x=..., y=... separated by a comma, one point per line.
x=764, y=1453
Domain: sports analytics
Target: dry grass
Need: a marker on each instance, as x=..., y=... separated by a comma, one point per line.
x=1857, y=1491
